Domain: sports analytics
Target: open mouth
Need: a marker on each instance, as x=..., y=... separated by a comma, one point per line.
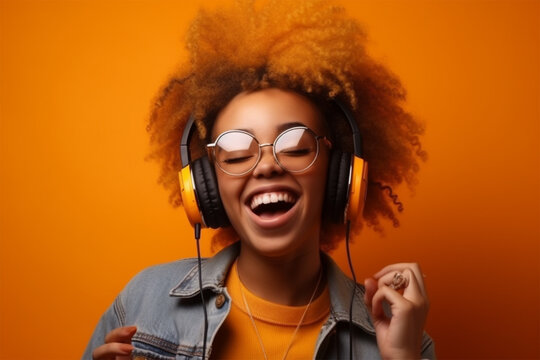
x=271, y=204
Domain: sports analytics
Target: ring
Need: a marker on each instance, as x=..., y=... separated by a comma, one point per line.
x=399, y=281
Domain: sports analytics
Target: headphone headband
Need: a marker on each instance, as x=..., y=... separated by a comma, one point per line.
x=357, y=137
x=184, y=143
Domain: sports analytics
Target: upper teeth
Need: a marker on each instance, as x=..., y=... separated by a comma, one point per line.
x=272, y=197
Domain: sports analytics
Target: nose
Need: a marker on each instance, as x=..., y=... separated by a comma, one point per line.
x=267, y=165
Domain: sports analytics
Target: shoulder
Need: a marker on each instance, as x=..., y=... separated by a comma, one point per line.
x=428, y=347
x=159, y=278
x=182, y=274
x=147, y=296
x=341, y=289
x=166, y=272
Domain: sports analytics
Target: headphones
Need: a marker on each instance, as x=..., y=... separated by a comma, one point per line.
x=345, y=194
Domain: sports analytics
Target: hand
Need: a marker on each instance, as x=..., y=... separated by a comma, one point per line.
x=398, y=337
x=117, y=345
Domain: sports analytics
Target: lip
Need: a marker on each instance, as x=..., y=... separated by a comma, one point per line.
x=276, y=221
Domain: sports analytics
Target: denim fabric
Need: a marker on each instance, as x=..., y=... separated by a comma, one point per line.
x=164, y=303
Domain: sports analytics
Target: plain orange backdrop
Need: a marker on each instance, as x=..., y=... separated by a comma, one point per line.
x=81, y=213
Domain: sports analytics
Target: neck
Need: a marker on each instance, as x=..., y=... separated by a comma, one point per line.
x=288, y=280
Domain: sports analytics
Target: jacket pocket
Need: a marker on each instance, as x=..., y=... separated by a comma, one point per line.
x=150, y=354
x=149, y=347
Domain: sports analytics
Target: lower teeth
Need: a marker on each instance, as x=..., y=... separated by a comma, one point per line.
x=268, y=210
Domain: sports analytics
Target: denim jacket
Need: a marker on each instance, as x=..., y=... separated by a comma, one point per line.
x=164, y=303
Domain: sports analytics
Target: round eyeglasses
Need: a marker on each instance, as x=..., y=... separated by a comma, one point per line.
x=237, y=152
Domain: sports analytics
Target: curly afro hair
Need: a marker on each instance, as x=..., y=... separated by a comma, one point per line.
x=310, y=47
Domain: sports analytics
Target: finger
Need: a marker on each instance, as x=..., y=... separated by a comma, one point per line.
x=414, y=267
x=393, y=279
x=416, y=284
x=391, y=296
x=121, y=334
x=415, y=291
x=111, y=350
x=400, y=267
x=371, y=287
x=409, y=285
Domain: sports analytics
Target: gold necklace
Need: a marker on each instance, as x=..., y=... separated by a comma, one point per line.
x=297, y=326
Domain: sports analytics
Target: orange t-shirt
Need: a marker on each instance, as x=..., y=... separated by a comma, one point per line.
x=276, y=324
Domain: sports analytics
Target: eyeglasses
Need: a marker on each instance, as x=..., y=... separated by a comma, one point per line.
x=237, y=152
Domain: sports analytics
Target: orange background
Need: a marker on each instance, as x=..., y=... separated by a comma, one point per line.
x=81, y=213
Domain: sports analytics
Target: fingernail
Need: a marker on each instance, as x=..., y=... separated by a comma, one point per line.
x=127, y=349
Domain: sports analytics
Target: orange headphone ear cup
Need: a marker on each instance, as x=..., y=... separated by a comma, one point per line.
x=207, y=191
x=337, y=186
x=358, y=190
x=189, y=198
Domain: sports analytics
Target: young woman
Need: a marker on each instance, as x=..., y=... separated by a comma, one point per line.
x=276, y=93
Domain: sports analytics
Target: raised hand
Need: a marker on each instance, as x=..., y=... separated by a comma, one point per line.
x=117, y=345
x=402, y=287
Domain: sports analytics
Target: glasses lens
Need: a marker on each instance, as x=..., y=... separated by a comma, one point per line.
x=236, y=152
x=296, y=149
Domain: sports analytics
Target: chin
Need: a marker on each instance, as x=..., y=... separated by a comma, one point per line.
x=282, y=243
x=275, y=230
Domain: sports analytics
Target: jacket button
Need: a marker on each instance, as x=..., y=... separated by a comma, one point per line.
x=220, y=300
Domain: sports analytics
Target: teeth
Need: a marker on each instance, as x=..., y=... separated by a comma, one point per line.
x=272, y=197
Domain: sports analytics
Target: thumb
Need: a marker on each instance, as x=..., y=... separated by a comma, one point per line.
x=371, y=287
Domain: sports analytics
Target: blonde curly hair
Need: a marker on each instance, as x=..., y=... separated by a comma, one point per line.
x=310, y=47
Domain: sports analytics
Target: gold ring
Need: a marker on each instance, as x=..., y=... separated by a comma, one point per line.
x=399, y=281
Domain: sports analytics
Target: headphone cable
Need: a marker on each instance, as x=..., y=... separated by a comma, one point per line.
x=347, y=231
x=197, y=237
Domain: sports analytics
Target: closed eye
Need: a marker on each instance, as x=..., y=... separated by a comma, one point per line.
x=296, y=152
x=236, y=160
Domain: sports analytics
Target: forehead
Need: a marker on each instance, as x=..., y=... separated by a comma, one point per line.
x=264, y=113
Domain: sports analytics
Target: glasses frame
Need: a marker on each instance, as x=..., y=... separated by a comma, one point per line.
x=211, y=148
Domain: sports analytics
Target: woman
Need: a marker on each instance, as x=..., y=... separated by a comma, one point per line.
x=275, y=93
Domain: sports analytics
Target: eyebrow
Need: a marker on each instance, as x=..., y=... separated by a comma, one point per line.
x=281, y=127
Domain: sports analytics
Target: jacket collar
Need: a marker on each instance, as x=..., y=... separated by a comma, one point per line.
x=215, y=270
x=340, y=287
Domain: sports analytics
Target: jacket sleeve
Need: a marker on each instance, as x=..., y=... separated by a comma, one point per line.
x=113, y=318
x=428, y=348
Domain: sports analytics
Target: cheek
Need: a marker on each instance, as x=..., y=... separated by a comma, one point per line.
x=222, y=186
x=316, y=182
x=322, y=169
x=228, y=189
